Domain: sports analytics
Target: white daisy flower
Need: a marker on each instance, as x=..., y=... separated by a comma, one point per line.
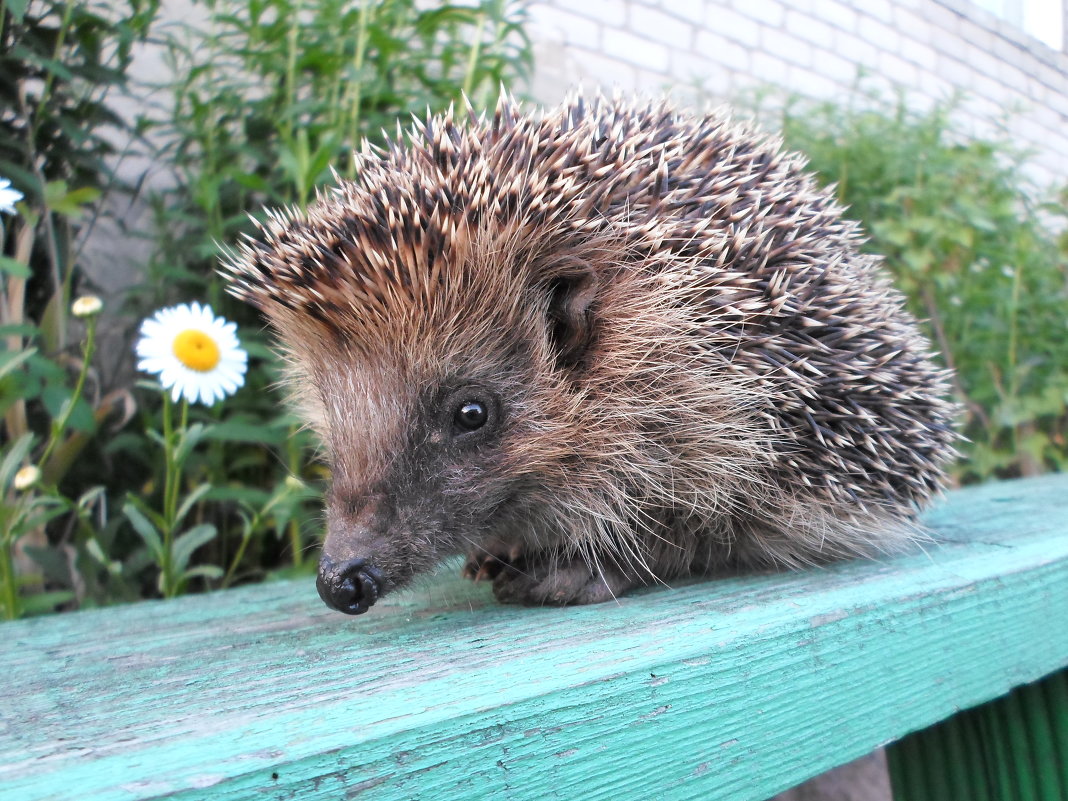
x=194, y=353
x=8, y=196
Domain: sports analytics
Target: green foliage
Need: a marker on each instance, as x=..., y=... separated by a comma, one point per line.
x=29, y=499
x=273, y=95
x=967, y=244
x=269, y=97
x=59, y=62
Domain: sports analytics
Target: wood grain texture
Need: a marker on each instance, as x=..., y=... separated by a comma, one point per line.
x=729, y=689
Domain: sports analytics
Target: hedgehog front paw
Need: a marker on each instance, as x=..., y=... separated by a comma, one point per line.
x=558, y=583
x=493, y=558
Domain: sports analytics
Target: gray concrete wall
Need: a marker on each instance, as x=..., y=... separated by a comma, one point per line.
x=720, y=48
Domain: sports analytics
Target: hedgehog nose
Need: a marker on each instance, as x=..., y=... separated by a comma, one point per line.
x=351, y=587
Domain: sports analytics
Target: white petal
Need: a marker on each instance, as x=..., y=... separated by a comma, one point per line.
x=155, y=350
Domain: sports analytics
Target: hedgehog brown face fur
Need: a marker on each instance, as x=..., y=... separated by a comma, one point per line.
x=608, y=345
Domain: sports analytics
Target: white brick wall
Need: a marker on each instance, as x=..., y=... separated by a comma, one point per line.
x=717, y=49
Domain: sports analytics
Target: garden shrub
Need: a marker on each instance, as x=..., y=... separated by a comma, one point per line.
x=270, y=100
x=268, y=97
x=976, y=254
x=59, y=64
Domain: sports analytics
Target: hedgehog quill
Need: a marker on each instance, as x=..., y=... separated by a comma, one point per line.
x=603, y=346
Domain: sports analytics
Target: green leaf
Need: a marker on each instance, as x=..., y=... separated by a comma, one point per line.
x=189, y=501
x=184, y=545
x=251, y=181
x=17, y=8
x=45, y=602
x=57, y=68
x=69, y=203
x=252, y=496
x=44, y=509
x=14, y=267
x=188, y=440
x=204, y=571
x=145, y=530
x=14, y=458
x=57, y=399
x=83, y=196
x=147, y=511
x=113, y=566
x=90, y=496
x=54, y=192
x=53, y=563
x=249, y=433
x=136, y=561
x=19, y=330
x=11, y=361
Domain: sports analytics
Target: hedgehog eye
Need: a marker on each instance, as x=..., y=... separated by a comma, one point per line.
x=470, y=415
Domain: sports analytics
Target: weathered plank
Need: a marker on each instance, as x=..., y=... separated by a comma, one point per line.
x=1014, y=748
x=732, y=689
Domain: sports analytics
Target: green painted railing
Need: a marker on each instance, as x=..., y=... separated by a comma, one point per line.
x=732, y=689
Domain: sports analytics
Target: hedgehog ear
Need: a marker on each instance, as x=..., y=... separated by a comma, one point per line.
x=572, y=292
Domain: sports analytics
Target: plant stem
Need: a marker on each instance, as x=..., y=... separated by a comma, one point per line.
x=14, y=313
x=295, y=542
x=7, y=575
x=293, y=528
x=1013, y=329
x=61, y=39
x=472, y=59
x=211, y=165
x=172, y=480
x=239, y=554
x=1014, y=373
x=931, y=308
x=168, y=460
x=58, y=426
x=250, y=529
x=291, y=72
x=355, y=93
x=34, y=121
x=170, y=496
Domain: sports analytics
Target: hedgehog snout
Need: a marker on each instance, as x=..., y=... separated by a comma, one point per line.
x=351, y=586
x=354, y=569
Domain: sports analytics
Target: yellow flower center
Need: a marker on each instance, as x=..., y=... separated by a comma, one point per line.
x=196, y=350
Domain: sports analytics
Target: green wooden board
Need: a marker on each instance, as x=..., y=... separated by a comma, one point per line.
x=729, y=689
x=1014, y=748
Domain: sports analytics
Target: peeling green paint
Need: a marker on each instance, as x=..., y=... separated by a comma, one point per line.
x=728, y=689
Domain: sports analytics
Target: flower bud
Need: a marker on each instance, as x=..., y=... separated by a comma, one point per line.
x=86, y=306
x=26, y=477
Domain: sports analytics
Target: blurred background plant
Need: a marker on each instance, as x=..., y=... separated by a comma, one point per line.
x=59, y=62
x=977, y=256
x=268, y=97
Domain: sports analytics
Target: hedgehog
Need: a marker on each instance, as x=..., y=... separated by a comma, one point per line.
x=602, y=346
